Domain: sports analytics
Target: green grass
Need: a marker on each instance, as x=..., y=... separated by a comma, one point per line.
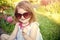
x=7, y=27
x=49, y=29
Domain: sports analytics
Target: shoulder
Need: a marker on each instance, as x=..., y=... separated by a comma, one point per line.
x=17, y=24
x=34, y=29
x=35, y=25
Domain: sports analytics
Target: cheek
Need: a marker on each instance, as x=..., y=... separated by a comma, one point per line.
x=28, y=19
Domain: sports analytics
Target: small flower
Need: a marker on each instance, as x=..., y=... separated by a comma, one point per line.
x=9, y=19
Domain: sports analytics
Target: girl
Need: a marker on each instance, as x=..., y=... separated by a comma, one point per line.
x=26, y=27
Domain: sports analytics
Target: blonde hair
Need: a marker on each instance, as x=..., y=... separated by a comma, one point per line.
x=28, y=7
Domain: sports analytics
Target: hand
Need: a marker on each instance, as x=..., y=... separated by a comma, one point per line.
x=17, y=25
x=24, y=31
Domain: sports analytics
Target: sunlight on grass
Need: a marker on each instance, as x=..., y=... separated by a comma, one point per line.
x=54, y=16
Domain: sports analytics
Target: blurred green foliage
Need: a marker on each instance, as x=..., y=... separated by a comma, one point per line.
x=7, y=27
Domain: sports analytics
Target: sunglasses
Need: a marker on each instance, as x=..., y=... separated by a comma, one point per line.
x=25, y=15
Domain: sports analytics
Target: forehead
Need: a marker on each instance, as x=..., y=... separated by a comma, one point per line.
x=21, y=11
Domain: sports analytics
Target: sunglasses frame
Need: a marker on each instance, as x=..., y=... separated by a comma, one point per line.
x=25, y=15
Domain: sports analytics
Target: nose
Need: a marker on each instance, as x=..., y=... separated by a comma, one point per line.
x=22, y=17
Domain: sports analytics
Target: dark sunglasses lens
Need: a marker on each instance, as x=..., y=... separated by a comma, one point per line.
x=18, y=15
x=26, y=15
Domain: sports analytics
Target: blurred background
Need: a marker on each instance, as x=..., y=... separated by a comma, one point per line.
x=47, y=12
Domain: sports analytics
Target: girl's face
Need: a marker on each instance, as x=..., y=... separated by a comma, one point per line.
x=23, y=16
